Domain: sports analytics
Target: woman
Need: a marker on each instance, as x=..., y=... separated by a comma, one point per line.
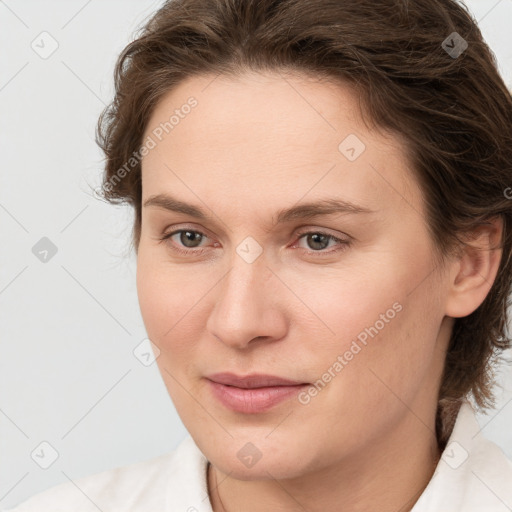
x=323, y=234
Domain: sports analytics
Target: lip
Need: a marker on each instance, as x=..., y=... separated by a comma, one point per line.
x=253, y=393
x=253, y=380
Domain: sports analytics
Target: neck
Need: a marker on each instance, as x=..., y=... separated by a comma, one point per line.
x=389, y=476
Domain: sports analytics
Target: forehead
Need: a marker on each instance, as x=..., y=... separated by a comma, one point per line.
x=272, y=136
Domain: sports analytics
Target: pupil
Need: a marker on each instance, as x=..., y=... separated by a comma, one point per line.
x=315, y=236
x=190, y=236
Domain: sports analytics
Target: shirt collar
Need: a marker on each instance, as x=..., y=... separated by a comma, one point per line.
x=472, y=475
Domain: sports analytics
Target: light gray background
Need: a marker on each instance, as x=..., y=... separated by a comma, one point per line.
x=69, y=326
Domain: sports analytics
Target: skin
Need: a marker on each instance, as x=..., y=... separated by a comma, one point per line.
x=252, y=146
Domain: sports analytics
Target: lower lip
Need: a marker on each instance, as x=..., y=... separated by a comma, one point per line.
x=253, y=400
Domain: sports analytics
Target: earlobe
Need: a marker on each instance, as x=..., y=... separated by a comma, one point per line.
x=475, y=269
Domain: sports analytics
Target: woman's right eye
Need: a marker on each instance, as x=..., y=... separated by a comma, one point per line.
x=185, y=236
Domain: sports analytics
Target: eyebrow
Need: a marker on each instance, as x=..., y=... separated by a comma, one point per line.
x=326, y=206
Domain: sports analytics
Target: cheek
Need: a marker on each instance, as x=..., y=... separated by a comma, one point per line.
x=164, y=312
x=382, y=331
x=172, y=303
x=344, y=305
x=389, y=355
x=162, y=292
x=154, y=301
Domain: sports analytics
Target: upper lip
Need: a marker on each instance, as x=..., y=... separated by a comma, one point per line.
x=254, y=380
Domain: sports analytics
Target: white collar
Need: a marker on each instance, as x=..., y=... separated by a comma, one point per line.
x=473, y=474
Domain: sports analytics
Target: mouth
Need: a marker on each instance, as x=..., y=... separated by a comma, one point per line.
x=253, y=393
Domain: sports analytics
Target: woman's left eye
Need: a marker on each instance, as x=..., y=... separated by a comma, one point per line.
x=320, y=238
x=317, y=238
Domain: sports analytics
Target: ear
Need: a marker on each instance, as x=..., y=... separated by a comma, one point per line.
x=474, y=270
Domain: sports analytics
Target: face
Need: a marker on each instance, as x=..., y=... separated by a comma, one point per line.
x=345, y=301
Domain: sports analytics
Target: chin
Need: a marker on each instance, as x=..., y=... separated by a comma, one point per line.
x=257, y=457
x=268, y=469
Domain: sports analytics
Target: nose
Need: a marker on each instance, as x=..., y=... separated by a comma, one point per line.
x=247, y=305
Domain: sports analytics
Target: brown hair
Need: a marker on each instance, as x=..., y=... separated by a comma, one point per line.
x=453, y=111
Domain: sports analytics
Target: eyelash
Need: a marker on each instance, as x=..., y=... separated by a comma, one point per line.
x=343, y=243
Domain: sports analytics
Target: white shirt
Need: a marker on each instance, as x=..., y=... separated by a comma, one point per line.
x=473, y=475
